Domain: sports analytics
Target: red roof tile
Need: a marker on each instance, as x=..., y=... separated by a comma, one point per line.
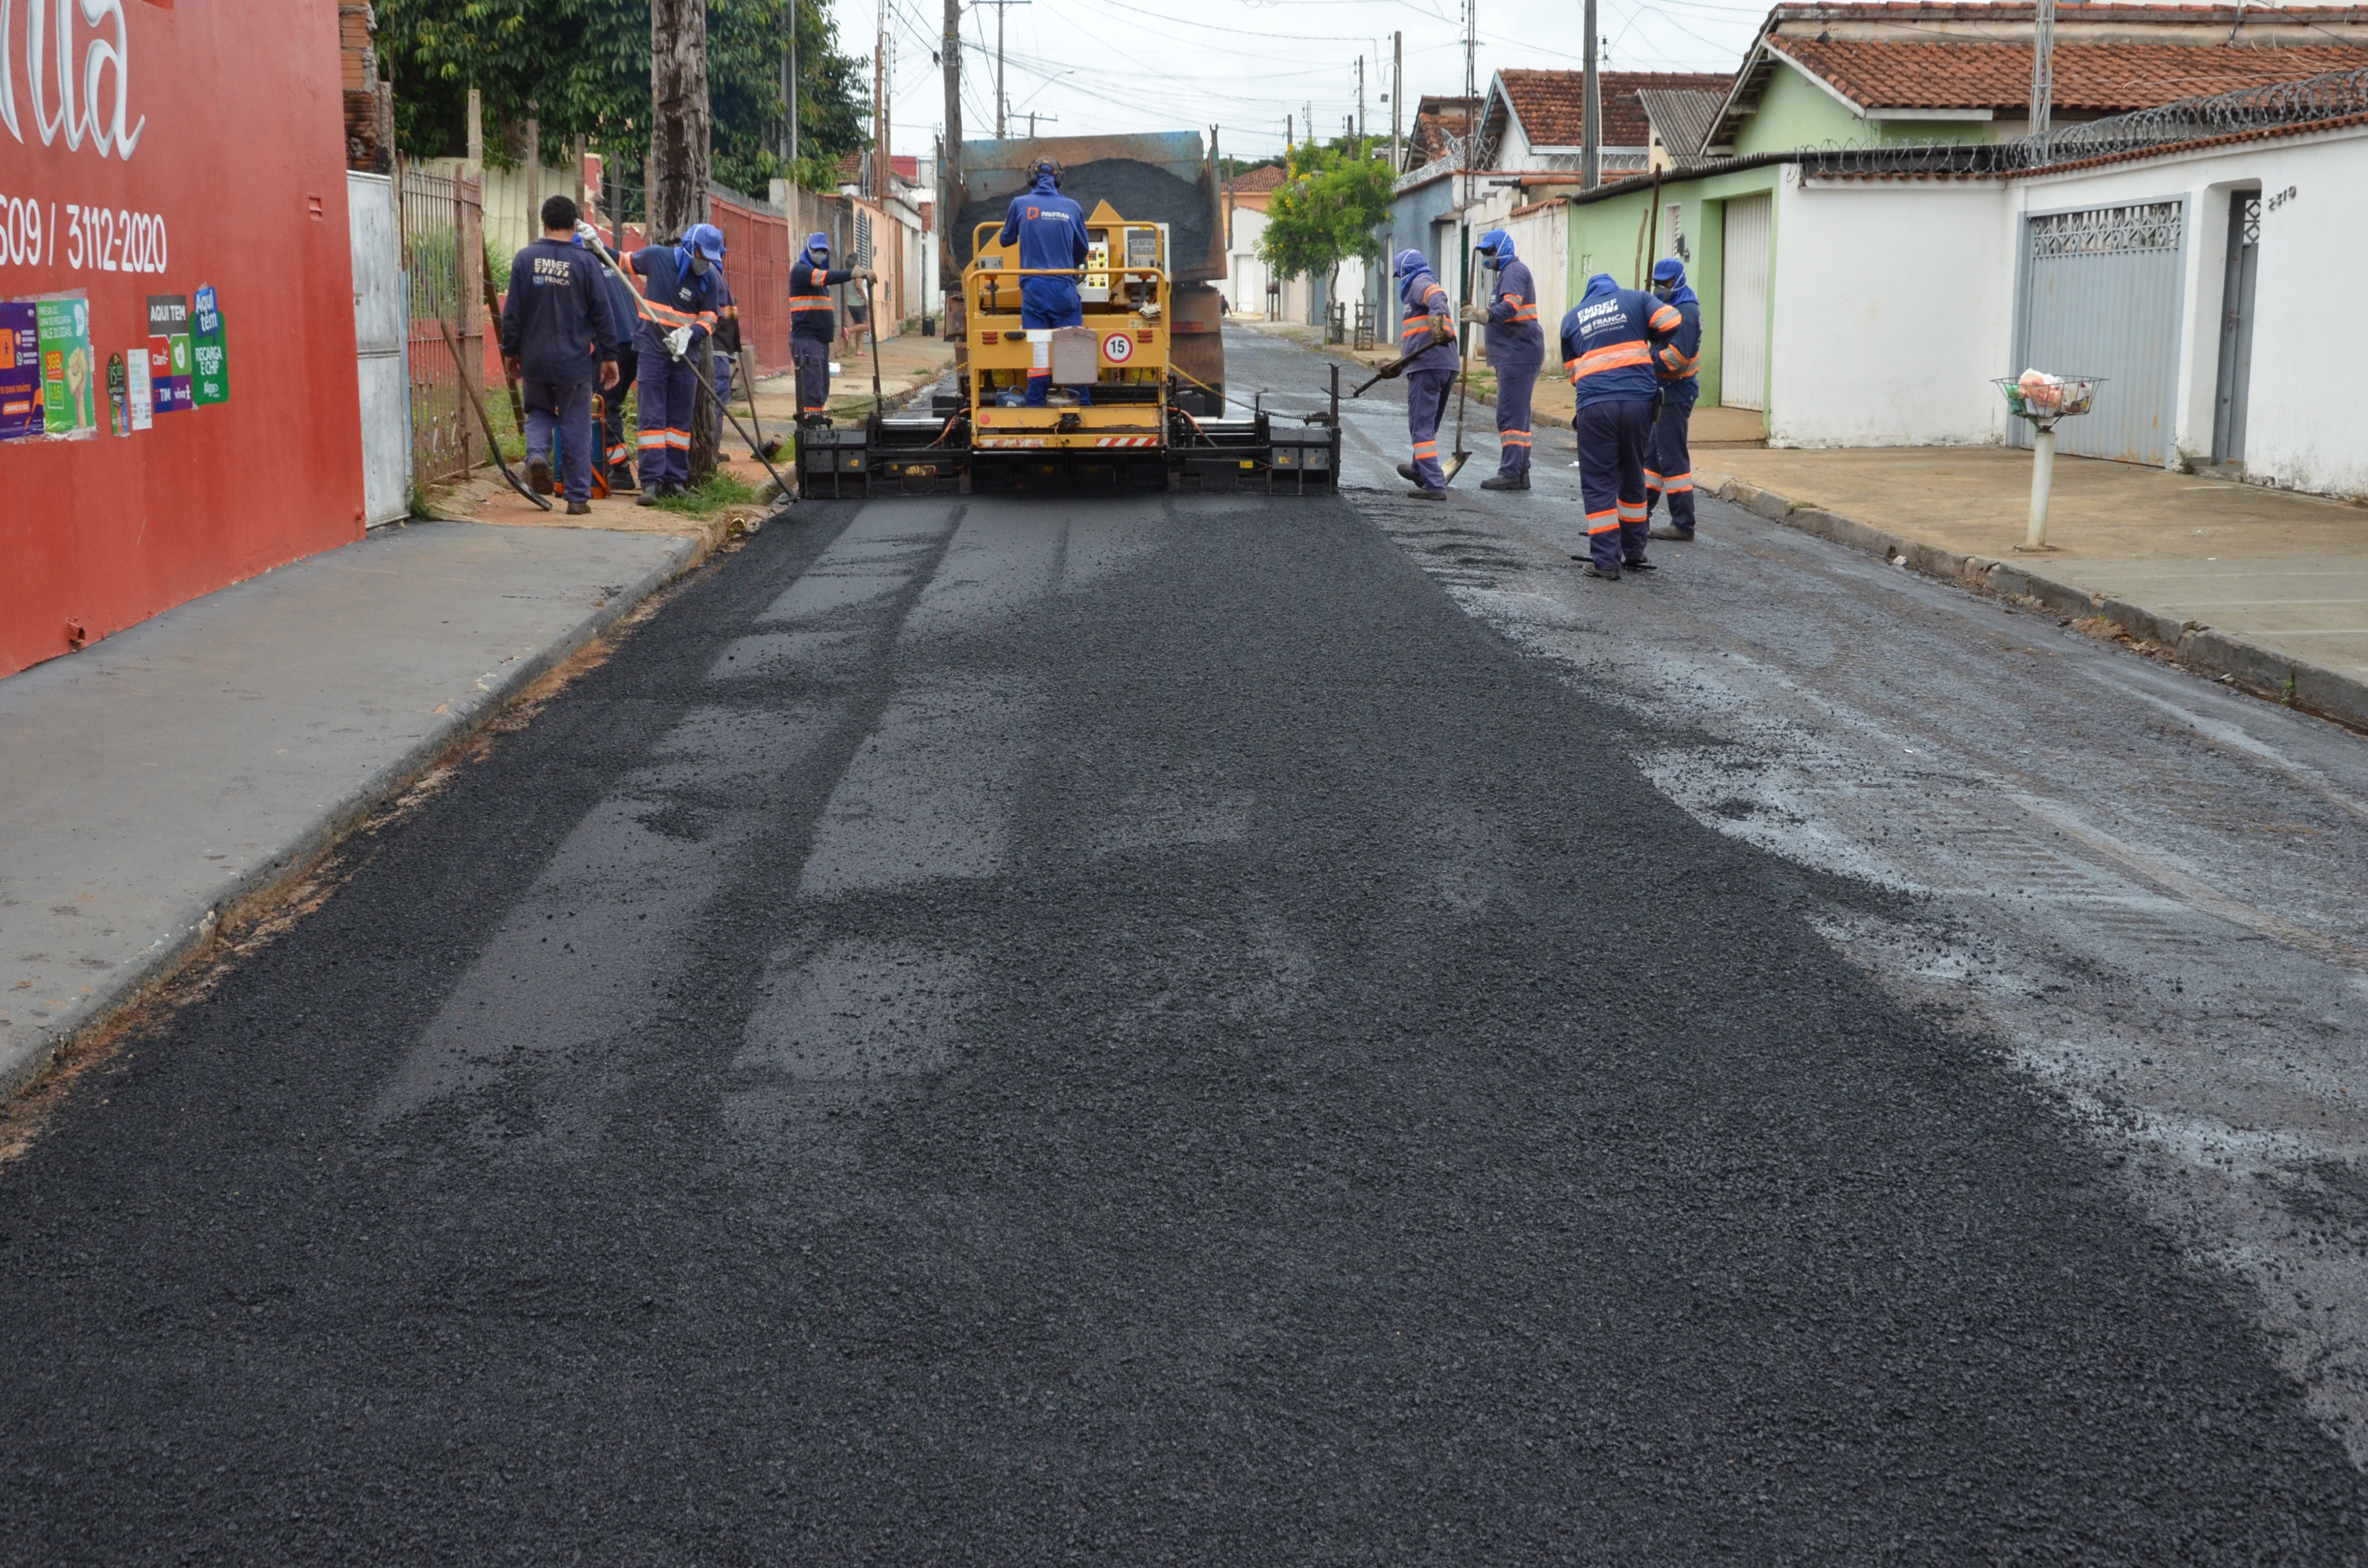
x=1551, y=103
x=1264, y=178
x=2099, y=78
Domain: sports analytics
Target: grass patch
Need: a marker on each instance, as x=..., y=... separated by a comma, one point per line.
x=720, y=490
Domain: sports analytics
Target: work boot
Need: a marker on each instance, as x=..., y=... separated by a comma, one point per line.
x=579, y=509
x=1407, y=472
x=620, y=480
x=1505, y=481
x=1592, y=570
x=1421, y=493
x=1640, y=564
x=538, y=475
x=1664, y=530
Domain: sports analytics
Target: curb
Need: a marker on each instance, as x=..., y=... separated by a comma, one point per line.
x=192, y=933
x=2278, y=677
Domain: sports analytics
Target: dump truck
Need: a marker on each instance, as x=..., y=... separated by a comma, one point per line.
x=1160, y=417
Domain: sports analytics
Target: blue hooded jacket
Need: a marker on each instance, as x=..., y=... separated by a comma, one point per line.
x=811, y=277
x=674, y=296
x=1677, y=361
x=1425, y=301
x=1050, y=230
x=1608, y=339
x=1514, y=335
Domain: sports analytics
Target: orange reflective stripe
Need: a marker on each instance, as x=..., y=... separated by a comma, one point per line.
x=1618, y=357
x=1603, y=522
x=1652, y=479
x=1666, y=319
x=806, y=302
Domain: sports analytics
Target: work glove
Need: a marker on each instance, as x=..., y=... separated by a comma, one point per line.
x=1473, y=313
x=678, y=342
x=1442, y=330
x=863, y=275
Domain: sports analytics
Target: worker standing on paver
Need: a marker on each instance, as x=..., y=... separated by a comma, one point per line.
x=1050, y=231
x=1427, y=341
x=813, y=322
x=1669, y=465
x=677, y=309
x=558, y=335
x=1517, y=347
x=1609, y=341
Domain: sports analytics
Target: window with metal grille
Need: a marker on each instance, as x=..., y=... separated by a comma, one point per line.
x=2109, y=231
x=862, y=238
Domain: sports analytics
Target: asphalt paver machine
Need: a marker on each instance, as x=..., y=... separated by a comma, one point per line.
x=1148, y=420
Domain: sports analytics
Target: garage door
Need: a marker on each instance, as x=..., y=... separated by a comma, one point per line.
x=2101, y=297
x=1743, y=306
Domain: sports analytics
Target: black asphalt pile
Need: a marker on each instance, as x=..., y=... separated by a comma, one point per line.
x=1125, y=1033
x=1135, y=189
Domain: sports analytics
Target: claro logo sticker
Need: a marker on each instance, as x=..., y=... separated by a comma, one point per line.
x=66, y=65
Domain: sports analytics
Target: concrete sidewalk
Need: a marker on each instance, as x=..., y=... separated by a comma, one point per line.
x=2266, y=585
x=156, y=777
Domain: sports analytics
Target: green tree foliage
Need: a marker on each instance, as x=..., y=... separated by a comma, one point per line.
x=582, y=68
x=1336, y=198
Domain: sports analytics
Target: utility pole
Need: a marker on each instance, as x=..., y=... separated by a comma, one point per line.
x=1361, y=98
x=886, y=162
x=1590, y=141
x=680, y=167
x=949, y=165
x=2043, y=68
x=790, y=90
x=1001, y=6
x=1397, y=100
x=878, y=102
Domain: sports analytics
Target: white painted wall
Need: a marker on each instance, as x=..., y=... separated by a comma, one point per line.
x=1894, y=306
x=2307, y=428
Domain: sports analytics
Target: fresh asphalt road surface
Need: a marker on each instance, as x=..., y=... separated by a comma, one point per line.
x=1173, y=1029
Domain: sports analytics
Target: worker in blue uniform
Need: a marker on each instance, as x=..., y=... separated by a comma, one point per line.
x=813, y=322
x=558, y=336
x=1609, y=341
x=677, y=309
x=1516, y=349
x=625, y=315
x=1668, y=464
x=1426, y=332
x=727, y=339
x=1050, y=231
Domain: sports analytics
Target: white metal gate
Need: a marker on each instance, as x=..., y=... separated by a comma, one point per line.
x=380, y=350
x=2100, y=292
x=1743, y=305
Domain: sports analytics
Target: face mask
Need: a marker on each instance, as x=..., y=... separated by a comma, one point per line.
x=1663, y=290
x=698, y=263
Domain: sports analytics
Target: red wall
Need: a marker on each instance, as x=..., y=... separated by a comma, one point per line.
x=242, y=155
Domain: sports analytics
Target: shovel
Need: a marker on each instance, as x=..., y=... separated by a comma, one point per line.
x=493, y=442
x=1459, y=456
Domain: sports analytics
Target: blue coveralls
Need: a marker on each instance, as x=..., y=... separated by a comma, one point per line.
x=1668, y=466
x=1431, y=380
x=1608, y=341
x=727, y=338
x=1050, y=230
x=674, y=296
x=1517, y=347
x=557, y=326
x=813, y=325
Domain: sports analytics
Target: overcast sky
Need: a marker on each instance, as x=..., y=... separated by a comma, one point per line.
x=1104, y=66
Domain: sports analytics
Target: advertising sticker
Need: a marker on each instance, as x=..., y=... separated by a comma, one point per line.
x=20, y=370
x=69, y=378
x=168, y=352
x=118, y=396
x=209, y=356
x=143, y=409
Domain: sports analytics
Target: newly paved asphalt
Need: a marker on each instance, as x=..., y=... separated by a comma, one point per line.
x=1124, y=1032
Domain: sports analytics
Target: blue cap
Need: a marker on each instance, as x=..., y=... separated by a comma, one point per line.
x=1499, y=243
x=818, y=241
x=706, y=239
x=1669, y=269
x=1410, y=262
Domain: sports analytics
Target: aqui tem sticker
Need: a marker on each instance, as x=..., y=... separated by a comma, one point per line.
x=20, y=370
x=168, y=352
x=69, y=378
x=209, y=358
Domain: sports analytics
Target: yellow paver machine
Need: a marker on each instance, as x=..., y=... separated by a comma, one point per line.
x=1156, y=415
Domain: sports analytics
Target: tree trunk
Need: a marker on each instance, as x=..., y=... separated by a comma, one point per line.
x=680, y=165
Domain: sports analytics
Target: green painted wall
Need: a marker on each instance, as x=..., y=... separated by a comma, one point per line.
x=1794, y=112
x=1603, y=238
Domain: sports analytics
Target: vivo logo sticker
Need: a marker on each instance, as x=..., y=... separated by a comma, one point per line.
x=51, y=63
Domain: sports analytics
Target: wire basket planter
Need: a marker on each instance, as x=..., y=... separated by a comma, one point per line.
x=2044, y=399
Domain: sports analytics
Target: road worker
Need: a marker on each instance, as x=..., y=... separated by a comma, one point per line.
x=1669, y=465
x=1050, y=231
x=812, y=323
x=1427, y=334
x=1517, y=347
x=625, y=314
x=677, y=309
x=1609, y=341
x=558, y=335
x=727, y=339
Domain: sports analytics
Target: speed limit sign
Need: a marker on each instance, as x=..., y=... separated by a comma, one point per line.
x=1118, y=347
